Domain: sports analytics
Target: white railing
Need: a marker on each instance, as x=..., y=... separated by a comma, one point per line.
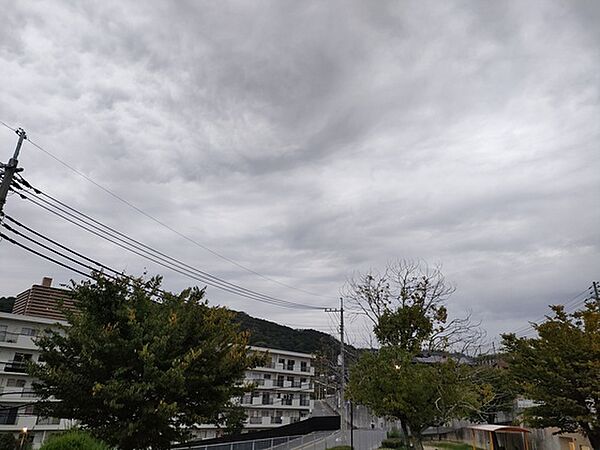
x=322, y=440
x=259, y=444
x=362, y=439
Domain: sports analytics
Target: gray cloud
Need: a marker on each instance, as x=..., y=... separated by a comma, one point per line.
x=310, y=140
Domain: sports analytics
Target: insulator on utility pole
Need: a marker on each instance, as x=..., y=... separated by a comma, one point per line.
x=10, y=169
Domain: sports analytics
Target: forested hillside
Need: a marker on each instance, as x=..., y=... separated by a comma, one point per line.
x=273, y=335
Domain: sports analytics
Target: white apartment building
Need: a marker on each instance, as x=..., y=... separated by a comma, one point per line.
x=17, y=412
x=283, y=394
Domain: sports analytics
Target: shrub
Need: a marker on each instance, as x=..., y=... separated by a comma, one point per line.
x=7, y=441
x=74, y=440
x=392, y=443
x=393, y=433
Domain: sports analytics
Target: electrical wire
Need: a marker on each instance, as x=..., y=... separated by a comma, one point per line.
x=163, y=224
x=89, y=259
x=41, y=255
x=529, y=328
x=145, y=251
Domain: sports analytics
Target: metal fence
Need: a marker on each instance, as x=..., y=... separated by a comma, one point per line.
x=363, y=440
x=322, y=440
x=279, y=443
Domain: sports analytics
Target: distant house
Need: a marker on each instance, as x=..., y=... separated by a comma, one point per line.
x=427, y=357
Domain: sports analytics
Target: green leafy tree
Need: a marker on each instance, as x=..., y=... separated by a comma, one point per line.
x=139, y=373
x=496, y=391
x=391, y=383
x=560, y=370
x=6, y=304
x=407, y=307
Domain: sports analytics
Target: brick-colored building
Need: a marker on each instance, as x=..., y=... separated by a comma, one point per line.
x=43, y=300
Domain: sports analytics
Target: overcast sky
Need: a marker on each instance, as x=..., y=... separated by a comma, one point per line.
x=311, y=140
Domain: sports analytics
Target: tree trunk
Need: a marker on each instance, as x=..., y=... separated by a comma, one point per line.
x=404, y=427
x=418, y=440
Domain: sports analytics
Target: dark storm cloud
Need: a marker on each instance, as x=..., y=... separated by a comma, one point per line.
x=310, y=140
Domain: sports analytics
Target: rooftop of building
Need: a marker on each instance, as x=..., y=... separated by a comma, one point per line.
x=30, y=319
x=283, y=352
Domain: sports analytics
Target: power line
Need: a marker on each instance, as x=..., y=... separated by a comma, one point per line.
x=230, y=290
x=134, y=246
x=151, y=292
x=570, y=305
x=41, y=255
x=146, y=250
x=163, y=224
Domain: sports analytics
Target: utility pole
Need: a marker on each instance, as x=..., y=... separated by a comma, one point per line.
x=343, y=372
x=351, y=425
x=596, y=291
x=10, y=169
x=342, y=362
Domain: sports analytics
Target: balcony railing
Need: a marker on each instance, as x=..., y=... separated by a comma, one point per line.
x=16, y=366
x=6, y=336
x=47, y=421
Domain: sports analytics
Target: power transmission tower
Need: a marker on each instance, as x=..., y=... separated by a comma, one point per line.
x=11, y=168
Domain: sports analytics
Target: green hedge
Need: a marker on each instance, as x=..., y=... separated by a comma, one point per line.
x=74, y=440
x=392, y=443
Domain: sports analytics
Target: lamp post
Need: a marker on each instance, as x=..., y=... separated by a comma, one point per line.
x=23, y=436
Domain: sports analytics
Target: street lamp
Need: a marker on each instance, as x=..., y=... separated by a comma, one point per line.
x=23, y=436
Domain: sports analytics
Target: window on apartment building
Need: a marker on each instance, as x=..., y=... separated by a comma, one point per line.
x=26, y=331
x=288, y=399
x=29, y=410
x=277, y=417
x=303, y=366
x=280, y=379
x=282, y=361
x=290, y=364
x=15, y=382
x=47, y=420
x=266, y=399
x=304, y=400
x=6, y=336
x=19, y=363
x=267, y=376
x=254, y=417
x=8, y=416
